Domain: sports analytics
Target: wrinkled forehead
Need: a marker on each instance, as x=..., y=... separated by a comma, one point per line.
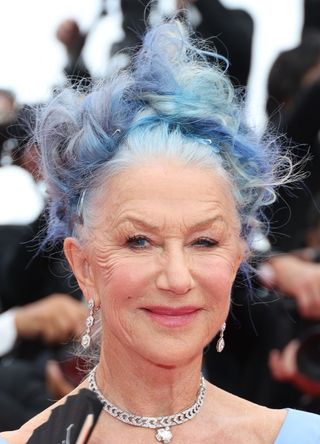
x=169, y=190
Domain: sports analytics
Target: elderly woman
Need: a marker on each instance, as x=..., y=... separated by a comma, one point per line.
x=156, y=186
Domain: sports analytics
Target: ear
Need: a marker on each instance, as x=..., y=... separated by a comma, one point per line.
x=79, y=262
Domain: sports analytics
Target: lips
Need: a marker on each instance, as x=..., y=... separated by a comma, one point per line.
x=172, y=311
x=172, y=316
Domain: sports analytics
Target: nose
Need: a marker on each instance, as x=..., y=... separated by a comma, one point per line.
x=175, y=275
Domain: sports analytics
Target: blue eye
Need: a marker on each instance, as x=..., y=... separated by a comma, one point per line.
x=138, y=242
x=205, y=242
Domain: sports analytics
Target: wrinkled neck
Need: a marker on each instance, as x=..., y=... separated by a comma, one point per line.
x=146, y=388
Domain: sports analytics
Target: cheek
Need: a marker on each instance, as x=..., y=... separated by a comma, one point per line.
x=216, y=279
x=219, y=287
x=123, y=281
x=218, y=268
x=216, y=285
x=119, y=286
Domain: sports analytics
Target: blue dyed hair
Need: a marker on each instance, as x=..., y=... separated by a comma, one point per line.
x=174, y=100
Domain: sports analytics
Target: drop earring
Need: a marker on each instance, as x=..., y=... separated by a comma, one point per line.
x=86, y=338
x=220, y=344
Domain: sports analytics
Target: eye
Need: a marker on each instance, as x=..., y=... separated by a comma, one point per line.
x=204, y=242
x=138, y=242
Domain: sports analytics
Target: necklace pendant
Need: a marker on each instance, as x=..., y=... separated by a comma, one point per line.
x=164, y=435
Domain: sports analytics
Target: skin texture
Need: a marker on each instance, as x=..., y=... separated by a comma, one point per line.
x=163, y=234
x=162, y=227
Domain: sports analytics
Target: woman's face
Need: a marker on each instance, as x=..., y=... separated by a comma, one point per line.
x=161, y=260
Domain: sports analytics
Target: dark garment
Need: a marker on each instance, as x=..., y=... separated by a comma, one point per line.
x=66, y=421
x=23, y=393
x=311, y=15
x=28, y=273
x=135, y=19
x=78, y=74
x=292, y=214
x=230, y=31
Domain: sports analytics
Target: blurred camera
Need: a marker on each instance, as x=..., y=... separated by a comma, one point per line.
x=308, y=355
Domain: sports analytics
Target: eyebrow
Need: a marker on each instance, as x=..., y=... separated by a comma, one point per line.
x=206, y=223
x=155, y=228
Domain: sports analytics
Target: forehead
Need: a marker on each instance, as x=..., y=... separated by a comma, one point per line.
x=165, y=189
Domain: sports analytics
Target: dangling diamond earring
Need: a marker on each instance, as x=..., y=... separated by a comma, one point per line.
x=86, y=338
x=220, y=344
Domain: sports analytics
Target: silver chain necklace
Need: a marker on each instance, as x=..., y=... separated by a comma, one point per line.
x=162, y=424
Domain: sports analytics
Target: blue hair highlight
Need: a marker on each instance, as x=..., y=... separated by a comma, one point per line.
x=171, y=91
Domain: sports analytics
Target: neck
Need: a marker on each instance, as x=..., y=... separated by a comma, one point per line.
x=144, y=388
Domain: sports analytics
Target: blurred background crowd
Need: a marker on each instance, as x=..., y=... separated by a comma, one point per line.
x=272, y=353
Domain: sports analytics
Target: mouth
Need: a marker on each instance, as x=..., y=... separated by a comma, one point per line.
x=172, y=317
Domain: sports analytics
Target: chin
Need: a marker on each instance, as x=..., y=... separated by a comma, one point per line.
x=174, y=353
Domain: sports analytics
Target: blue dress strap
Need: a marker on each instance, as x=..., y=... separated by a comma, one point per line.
x=299, y=427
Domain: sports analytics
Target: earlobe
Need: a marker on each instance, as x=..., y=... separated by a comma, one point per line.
x=80, y=266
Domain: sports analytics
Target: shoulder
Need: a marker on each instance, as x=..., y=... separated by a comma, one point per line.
x=16, y=437
x=261, y=424
x=299, y=427
x=256, y=423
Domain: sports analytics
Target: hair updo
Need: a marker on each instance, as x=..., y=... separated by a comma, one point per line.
x=174, y=100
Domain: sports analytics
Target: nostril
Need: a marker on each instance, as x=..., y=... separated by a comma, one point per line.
x=178, y=281
x=175, y=272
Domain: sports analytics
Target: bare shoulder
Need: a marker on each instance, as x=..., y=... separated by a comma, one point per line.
x=16, y=437
x=256, y=423
x=24, y=433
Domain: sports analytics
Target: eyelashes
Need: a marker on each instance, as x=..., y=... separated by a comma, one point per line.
x=205, y=242
x=140, y=242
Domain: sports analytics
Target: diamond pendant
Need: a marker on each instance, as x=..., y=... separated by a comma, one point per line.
x=220, y=345
x=164, y=435
x=85, y=341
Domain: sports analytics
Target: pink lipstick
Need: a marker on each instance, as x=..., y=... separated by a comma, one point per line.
x=172, y=317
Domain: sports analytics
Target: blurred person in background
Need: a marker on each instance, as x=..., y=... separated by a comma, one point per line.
x=296, y=275
x=135, y=18
x=21, y=199
x=229, y=31
x=294, y=269
x=73, y=39
x=40, y=308
x=293, y=106
x=134, y=23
